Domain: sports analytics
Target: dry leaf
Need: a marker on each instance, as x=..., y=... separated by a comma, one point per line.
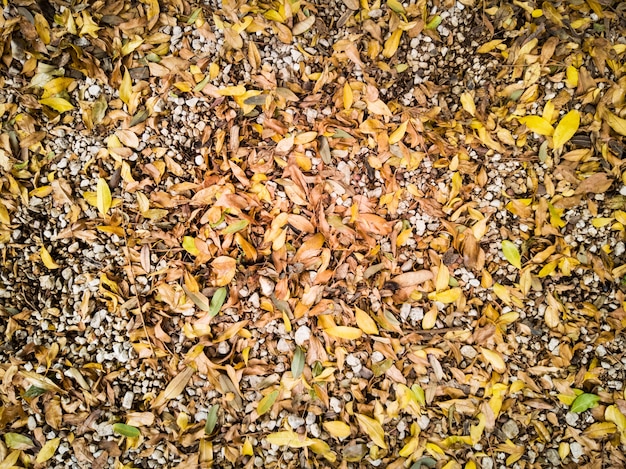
x=174, y=388
x=224, y=268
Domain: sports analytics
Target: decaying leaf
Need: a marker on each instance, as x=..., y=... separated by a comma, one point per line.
x=174, y=388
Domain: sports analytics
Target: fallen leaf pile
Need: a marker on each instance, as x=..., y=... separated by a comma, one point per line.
x=312, y=234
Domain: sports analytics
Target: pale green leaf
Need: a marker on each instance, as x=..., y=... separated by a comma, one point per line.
x=584, y=402
x=267, y=402
x=126, y=430
x=511, y=253
x=217, y=301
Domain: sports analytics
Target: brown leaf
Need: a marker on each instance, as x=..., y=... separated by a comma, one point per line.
x=174, y=388
x=412, y=279
x=597, y=184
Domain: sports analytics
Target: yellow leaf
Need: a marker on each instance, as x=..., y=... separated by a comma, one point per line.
x=247, y=449
x=48, y=450
x=600, y=430
x=373, y=429
x=305, y=137
x=537, y=124
x=189, y=245
x=103, y=197
x=323, y=448
x=403, y=237
x=571, y=79
x=344, y=332
x=396, y=6
x=443, y=277
x=56, y=86
x=289, y=438
x=232, y=90
x=89, y=26
x=126, y=88
x=494, y=359
x=183, y=86
x=43, y=28
x=613, y=414
x=447, y=296
x=41, y=191
x=347, y=96
x=47, y=260
x=467, y=101
x=489, y=46
x=566, y=129
x=4, y=214
x=392, y=43
x=365, y=322
x=601, y=221
x=58, y=104
x=398, y=134
x=337, y=428
x=616, y=123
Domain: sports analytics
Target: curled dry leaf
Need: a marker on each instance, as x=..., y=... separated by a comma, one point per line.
x=174, y=388
x=224, y=268
x=412, y=279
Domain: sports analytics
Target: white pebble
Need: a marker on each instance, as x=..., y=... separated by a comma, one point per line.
x=302, y=335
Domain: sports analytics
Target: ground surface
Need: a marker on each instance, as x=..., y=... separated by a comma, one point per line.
x=312, y=234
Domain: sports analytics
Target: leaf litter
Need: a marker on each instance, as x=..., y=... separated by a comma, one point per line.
x=296, y=234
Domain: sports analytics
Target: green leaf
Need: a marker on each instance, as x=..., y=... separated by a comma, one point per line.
x=217, y=301
x=381, y=367
x=256, y=100
x=17, y=441
x=420, y=395
x=584, y=402
x=511, y=253
x=34, y=391
x=126, y=430
x=138, y=118
x=267, y=402
x=234, y=227
x=211, y=419
x=424, y=462
x=297, y=363
x=200, y=86
x=194, y=16
x=434, y=23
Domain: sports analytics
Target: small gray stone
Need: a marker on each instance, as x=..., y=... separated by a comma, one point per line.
x=469, y=352
x=510, y=429
x=295, y=422
x=571, y=418
x=576, y=450
x=553, y=456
